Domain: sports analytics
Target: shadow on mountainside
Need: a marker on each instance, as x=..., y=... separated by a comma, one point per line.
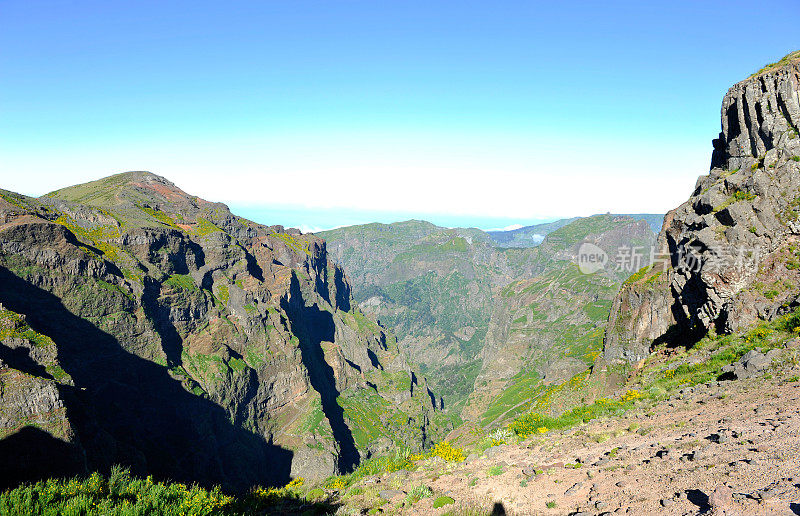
x=31, y=453
x=313, y=327
x=20, y=359
x=128, y=410
x=171, y=342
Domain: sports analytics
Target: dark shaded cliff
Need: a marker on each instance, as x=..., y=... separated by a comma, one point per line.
x=151, y=328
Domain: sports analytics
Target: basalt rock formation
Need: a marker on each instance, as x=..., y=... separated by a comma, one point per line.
x=147, y=327
x=729, y=254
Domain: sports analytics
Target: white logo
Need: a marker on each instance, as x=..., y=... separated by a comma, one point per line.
x=591, y=258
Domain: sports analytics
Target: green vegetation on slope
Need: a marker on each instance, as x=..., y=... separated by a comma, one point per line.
x=665, y=373
x=120, y=494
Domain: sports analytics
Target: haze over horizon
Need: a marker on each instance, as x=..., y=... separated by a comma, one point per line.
x=317, y=115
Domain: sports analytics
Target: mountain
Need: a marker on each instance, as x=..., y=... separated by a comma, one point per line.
x=693, y=405
x=447, y=292
x=730, y=252
x=531, y=236
x=144, y=326
x=548, y=327
x=527, y=236
x=433, y=286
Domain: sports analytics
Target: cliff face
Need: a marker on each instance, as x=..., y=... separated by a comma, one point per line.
x=191, y=343
x=730, y=251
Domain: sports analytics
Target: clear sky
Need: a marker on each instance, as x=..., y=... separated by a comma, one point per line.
x=318, y=114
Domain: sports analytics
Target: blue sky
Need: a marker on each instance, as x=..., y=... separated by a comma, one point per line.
x=317, y=114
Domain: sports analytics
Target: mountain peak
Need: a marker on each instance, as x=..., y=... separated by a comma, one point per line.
x=126, y=188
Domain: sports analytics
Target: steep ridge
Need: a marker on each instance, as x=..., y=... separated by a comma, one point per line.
x=729, y=254
x=151, y=328
x=449, y=293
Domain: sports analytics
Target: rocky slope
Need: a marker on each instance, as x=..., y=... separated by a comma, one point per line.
x=712, y=449
x=706, y=429
x=457, y=302
x=730, y=252
x=148, y=327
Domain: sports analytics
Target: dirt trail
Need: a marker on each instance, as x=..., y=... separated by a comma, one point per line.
x=727, y=448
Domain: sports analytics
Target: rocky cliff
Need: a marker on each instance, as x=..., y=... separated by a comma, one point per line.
x=729, y=254
x=148, y=327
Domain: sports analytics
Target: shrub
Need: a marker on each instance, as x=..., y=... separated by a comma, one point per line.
x=501, y=436
x=121, y=494
x=632, y=394
x=315, y=494
x=495, y=470
x=448, y=452
x=791, y=323
x=442, y=501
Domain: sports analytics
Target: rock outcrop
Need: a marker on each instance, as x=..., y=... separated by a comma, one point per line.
x=189, y=343
x=729, y=254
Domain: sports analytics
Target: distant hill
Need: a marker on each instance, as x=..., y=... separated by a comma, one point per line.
x=531, y=236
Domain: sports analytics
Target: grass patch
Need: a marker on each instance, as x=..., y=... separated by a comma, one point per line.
x=181, y=282
x=417, y=493
x=443, y=500
x=494, y=471
x=738, y=195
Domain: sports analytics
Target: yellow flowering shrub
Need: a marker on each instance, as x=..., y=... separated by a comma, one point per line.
x=448, y=452
x=297, y=482
x=632, y=394
x=336, y=483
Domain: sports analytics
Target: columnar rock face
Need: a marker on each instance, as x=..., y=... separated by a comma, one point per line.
x=152, y=328
x=730, y=252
